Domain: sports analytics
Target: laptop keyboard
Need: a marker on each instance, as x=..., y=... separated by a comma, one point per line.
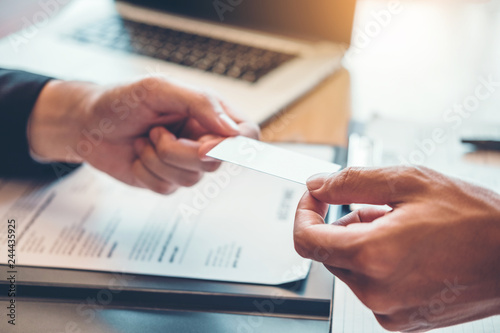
x=208, y=54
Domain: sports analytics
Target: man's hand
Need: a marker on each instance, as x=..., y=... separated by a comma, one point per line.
x=432, y=261
x=147, y=134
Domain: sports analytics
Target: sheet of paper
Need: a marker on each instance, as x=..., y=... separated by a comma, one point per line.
x=351, y=316
x=235, y=225
x=266, y=158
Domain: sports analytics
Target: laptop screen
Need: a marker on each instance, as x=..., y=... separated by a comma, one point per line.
x=311, y=19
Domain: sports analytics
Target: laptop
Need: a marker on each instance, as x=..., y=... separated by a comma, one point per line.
x=259, y=55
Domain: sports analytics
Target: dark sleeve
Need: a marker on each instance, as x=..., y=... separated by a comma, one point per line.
x=18, y=94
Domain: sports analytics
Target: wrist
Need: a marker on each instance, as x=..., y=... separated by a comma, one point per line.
x=57, y=119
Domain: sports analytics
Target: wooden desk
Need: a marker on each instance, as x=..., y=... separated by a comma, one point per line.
x=321, y=116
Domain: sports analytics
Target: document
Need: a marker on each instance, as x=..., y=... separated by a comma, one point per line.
x=235, y=225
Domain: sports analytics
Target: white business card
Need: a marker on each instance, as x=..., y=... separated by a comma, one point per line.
x=269, y=159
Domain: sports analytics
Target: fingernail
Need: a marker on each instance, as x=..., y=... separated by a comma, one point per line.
x=226, y=119
x=155, y=135
x=315, y=182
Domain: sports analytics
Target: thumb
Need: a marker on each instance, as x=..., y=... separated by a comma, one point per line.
x=378, y=186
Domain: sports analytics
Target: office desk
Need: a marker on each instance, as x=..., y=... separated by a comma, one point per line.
x=322, y=116
x=407, y=72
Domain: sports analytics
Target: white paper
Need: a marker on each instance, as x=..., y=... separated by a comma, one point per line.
x=235, y=225
x=351, y=316
x=270, y=159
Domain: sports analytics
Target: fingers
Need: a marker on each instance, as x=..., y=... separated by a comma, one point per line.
x=167, y=97
x=311, y=211
x=205, y=112
x=170, y=163
x=208, y=142
x=331, y=244
x=180, y=153
x=155, y=165
x=364, y=215
x=247, y=128
x=147, y=179
x=376, y=186
x=196, y=131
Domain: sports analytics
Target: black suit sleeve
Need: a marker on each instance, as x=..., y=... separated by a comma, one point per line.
x=18, y=94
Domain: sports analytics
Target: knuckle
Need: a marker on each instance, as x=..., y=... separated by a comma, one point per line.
x=415, y=176
x=302, y=246
x=147, y=157
x=410, y=173
x=151, y=82
x=344, y=175
x=343, y=179
x=190, y=179
x=136, y=168
x=203, y=99
x=136, y=174
x=164, y=188
x=301, y=250
x=408, y=179
x=164, y=151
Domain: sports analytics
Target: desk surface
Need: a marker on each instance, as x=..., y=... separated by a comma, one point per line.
x=322, y=116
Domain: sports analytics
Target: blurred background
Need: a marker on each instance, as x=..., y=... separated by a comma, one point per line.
x=425, y=59
x=416, y=63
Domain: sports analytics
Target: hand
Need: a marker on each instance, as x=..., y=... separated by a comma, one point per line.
x=147, y=134
x=432, y=261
